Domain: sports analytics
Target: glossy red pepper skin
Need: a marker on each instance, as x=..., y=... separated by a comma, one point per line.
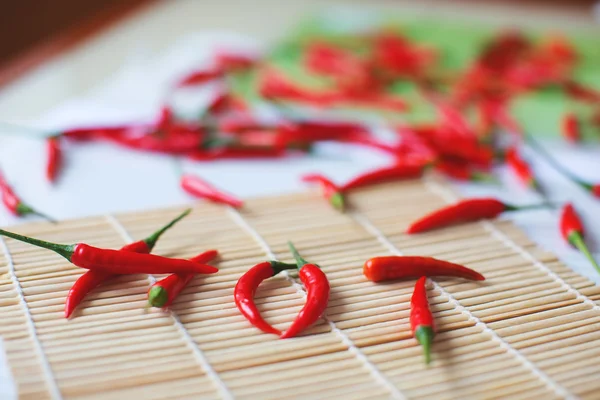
x=165, y=291
x=123, y=262
x=468, y=210
x=422, y=323
x=176, y=139
x=572, y=230
x=570, y=128
x=317, y=295
x=387, y=268
x=246, y=287
x=199, y=77
x=461, y=171
x=54, y=158
x=331, y=191
x=395, y=172
x=520, y=167
x=202, y=189
x=92, y=278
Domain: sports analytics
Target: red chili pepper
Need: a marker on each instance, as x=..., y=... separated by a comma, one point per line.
x=236, y=153
x=246, y=287
x=317, y=295
x=421, y=318
x=199, y=77
x=274, y=85
x=465, y=211
x=54, y=158
x=570, y=128
x=580, y=92
x=177, y=139
x=387, y=268
x=234, y=62
x=96, y=132
x=386, y=174
x=163, y=292
x=520, y=167
x=14, y=204
x=200, y=188
x=572, y=230
x=462, y=171
x=330, y=190
x=92, y=278
x=115, y=261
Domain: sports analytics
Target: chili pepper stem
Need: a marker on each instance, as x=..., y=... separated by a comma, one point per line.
x=299, y=260
x=510, y=207
x=152, y=239
x=24, y=209
x=279, y=266
x=576, y=239
x=65, y=250
x=424, y=335
x=157, y=296
x=338, y=202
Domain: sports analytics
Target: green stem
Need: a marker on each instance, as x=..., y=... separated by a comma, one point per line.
x=555, y=164
x=152, y=239
x=299, y=260
x=424, y=335
x=24, y=209
x=338, y=202
x=510, y=207
x=158, y=296
x=65, y=250
x=279, y=266
x=576, y=239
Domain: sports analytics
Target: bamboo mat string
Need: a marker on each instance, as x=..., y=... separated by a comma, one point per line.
x=198, y=353
x=449, y=196
x=39, y=347
x=557, y=388
x=375, y=372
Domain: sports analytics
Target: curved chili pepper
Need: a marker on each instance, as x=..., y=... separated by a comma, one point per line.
x=462, y=171
x=465, y=211
x=386, y=174
x=233, y=62
x=330, y=190
x=115, y=261
x=54, y=158
x=177, y=139
x=246, y=287
x=388, y=268
x=200, y=188
x=421, y=319
x=14, y=204
x=573, y=232
x=163, y=292
x=92, y=278
x=520, y=167
x=570, y=128
x=317, y=295
x=199, y=77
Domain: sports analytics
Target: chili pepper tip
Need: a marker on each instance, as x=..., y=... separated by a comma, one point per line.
x=157, y=296
x=424, y=335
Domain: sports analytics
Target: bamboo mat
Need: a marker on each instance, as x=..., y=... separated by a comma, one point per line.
x=531, y=330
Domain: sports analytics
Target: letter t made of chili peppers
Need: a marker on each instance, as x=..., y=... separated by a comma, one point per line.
x=572, y=231
x=317, y=297
x=421, y=318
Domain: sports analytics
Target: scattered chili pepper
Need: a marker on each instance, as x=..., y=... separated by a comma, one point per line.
x=92, y=278
x=462, y=171
x=246, y=287
x=330, y=190
x=386, y=268
x=386, y=174
x=421, y=318
x=234, y=62
x=317, y=295
x=199, y=77
x=573, y=232
x=570, y=128
x=520, y=167
x=581, y=92
x=163, y=292
x=54, y=158
x=467, y=210
x=200, y=188
x=14, y=204
x=116, y=262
